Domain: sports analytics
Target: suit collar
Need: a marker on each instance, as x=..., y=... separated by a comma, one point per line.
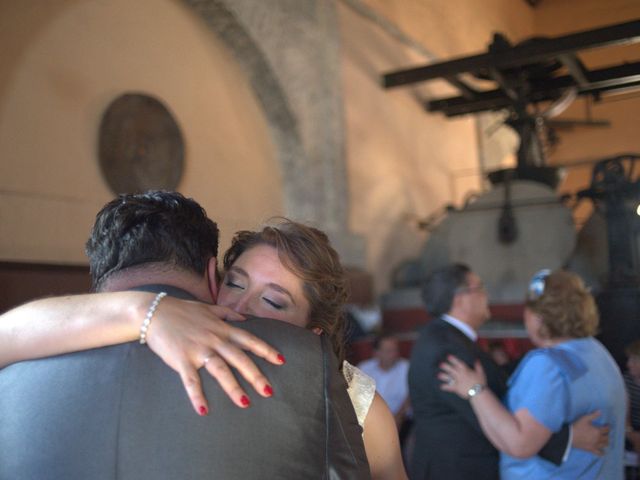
x=469, y=332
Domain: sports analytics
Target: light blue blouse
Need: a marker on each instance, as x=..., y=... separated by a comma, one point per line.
x=561, y=384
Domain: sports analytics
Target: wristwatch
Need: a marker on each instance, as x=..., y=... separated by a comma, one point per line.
x=475, y=390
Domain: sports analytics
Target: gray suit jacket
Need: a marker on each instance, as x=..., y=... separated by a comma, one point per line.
x=120, y=413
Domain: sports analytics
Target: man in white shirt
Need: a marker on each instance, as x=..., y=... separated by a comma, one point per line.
x=390, y=371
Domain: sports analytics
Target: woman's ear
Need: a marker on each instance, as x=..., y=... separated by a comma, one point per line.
x=541, y=329
x=317, y=330
x=212, y=278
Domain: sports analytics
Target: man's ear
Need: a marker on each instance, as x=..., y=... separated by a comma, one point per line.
x=455, y=302
x=212, y=278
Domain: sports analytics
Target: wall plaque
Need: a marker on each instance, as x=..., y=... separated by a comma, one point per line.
x=140, y=145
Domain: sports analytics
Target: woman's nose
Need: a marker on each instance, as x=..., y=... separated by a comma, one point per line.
x=242, y=305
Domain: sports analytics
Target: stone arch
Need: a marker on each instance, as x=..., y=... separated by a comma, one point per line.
x=281, y=120
x=308, y=136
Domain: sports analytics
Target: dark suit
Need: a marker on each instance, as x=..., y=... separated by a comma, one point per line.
x=449, y=441
x=120, y=413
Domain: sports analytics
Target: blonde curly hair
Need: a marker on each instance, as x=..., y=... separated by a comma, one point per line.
x=566, y=307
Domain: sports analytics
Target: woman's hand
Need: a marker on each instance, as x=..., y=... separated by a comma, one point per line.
x=458, y=378
x=186, y=335
x=190, y=335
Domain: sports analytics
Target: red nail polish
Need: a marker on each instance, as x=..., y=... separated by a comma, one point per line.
x=203, y=410
x=244, y=400
x=268, y=391
x=281, y=359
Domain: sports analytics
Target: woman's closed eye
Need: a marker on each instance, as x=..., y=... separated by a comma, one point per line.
x=274, y=304
x=231, y=284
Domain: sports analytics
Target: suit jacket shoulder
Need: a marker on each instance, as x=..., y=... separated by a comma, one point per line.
x=123, y=414
x=438, y=339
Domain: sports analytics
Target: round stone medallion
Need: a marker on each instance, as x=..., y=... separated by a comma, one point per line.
x=140, y=145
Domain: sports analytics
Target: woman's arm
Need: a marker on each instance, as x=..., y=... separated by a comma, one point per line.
x=182, y=333
x=519, y=434
x=381, y=442
x=57, y=325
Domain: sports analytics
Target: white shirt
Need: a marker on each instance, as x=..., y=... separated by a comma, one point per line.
x=460, y=325
x=392, y=384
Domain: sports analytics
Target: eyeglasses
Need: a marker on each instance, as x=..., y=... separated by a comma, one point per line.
x=537, y=284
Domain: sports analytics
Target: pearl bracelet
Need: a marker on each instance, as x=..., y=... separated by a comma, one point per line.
x=147, y=320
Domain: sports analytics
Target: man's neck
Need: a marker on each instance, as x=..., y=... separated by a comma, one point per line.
x=461, y=325
x=140, y=276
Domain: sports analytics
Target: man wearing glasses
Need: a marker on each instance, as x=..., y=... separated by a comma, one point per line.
x=449, y=441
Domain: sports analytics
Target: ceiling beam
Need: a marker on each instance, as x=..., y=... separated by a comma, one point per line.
x=602, y=80
x=519, y=55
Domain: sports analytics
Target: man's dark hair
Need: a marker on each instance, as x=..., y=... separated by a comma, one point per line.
x=440, y=287
x=155, y=226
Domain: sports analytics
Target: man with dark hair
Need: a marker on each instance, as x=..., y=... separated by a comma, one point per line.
x=120, y=413
x=449, y=441
x=164, y=228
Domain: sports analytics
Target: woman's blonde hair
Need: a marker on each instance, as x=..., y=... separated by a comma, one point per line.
x=307, y=252
x=566, y=307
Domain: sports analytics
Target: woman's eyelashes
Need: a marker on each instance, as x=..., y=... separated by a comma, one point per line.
x=231, y=283
x=274, y=304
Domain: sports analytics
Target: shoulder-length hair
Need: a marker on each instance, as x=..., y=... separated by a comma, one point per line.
x=306, y=252
x=566, y=307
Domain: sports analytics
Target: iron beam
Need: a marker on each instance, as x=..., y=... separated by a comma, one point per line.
x=519, y=55
x=606, y=79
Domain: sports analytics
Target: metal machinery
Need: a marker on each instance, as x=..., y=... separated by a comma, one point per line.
x=521, y=225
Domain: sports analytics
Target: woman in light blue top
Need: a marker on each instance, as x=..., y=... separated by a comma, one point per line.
x=568, y=375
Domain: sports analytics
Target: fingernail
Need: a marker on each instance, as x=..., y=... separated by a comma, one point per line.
x=203, y=410
x=268, y=391
x=281, y=359
x=244, y=400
